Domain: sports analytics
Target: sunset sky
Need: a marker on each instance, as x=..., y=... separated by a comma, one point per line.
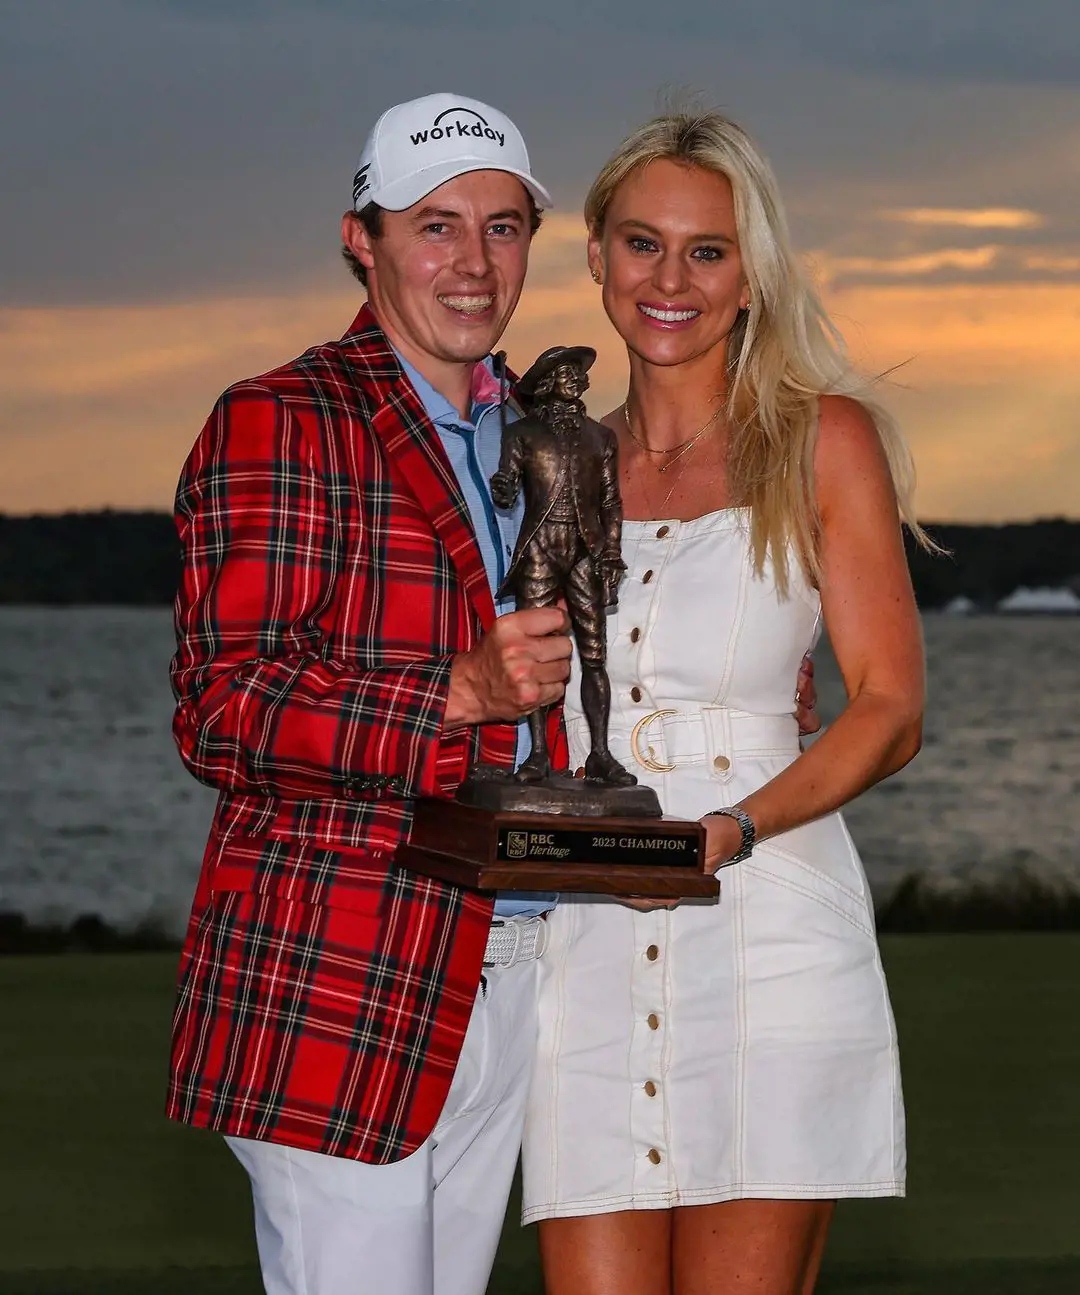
x=175, y=170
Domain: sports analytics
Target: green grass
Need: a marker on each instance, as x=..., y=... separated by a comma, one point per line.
x=1015, y=1277
x=990, y=1053
x=100, y=1195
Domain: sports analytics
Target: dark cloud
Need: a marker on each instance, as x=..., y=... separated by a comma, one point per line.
x=172, y=148
x=977, y=40
x=980, y=39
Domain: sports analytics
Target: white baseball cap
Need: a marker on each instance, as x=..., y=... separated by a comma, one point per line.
x=417, y=146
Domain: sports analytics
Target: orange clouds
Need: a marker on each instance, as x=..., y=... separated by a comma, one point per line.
x=962, y=333
x=1053, y=264
x=104, y=403
x=968, y=218
x=830, y=268
x=987, y=392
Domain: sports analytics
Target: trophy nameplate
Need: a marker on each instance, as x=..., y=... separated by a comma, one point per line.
x=486, y=849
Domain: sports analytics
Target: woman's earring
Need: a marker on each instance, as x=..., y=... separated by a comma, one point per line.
x=596, y=277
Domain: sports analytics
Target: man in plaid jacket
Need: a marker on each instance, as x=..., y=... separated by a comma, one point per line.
x=363, y=1035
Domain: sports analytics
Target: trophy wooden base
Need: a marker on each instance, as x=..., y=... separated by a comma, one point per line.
x=483, y=849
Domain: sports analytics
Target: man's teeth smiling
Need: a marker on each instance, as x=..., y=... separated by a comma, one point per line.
x=469, y=305
x=668, y=316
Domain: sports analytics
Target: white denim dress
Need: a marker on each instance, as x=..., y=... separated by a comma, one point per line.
x=721, y=1050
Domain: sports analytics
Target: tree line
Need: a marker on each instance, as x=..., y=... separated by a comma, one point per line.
x=132, y=559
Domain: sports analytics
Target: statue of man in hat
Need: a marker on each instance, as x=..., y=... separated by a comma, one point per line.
x=568, y=546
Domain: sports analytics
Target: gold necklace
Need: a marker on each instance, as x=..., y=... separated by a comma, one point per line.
x=677, y=450
x=659, y=512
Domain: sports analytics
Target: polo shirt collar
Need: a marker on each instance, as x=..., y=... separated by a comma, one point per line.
x=485, y=388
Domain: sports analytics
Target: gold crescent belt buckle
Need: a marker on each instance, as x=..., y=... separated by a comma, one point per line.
x=649, y=760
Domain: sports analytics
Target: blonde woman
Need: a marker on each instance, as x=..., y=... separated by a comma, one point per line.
x=712, y=1077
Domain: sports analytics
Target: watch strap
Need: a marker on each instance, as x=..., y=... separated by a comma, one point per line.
x=746, y=826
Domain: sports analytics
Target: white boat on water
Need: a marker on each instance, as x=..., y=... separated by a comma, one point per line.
x=960, y=606
x=1041, y=602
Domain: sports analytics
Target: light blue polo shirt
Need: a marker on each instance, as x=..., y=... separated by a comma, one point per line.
x=473, y=450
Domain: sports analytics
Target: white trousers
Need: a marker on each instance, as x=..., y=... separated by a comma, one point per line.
x=428, y=1224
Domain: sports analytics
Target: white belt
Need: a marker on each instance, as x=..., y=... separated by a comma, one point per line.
x=512, y=940
x=715, y=736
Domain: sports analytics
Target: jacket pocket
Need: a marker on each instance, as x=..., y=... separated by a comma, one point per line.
x=303, y=872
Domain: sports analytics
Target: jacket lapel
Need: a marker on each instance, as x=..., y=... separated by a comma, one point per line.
x=413, y=444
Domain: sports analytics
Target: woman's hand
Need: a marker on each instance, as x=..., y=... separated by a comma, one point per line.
x=806, y=699
x=723, y=840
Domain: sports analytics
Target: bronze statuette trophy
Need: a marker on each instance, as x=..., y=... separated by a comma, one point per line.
x=537, y=829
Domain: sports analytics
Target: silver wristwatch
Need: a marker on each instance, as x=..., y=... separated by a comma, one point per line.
x=746, y=826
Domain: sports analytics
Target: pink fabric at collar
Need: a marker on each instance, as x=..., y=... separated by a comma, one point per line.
x=485, y=386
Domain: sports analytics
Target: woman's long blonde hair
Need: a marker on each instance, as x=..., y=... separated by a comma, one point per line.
x=783, y=353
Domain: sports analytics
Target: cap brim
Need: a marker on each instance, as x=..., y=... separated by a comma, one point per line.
x=405, y=193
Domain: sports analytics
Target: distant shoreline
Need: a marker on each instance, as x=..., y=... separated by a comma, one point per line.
x=915, y=907
x=131, y=559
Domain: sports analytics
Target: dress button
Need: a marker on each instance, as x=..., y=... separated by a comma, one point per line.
x=635, y=693
x=650, y=1088
x=647, y=577
x=662, y=532
x=652, y=953
x=635, y=634
x=653, y=1021
x=722, y=763
x=654, y=1155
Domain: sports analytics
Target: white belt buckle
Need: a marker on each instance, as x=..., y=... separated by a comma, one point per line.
x=526, y=941
x=497, y=924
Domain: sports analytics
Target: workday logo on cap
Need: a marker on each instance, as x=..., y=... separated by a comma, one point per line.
x=417, y=146
x=461, y=129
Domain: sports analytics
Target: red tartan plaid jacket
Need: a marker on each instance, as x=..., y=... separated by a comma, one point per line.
x=330, y=574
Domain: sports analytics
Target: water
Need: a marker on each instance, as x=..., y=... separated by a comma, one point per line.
x=97, y=815
x=996, y=786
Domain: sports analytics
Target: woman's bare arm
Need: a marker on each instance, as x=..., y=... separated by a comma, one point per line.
x=874, y=628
